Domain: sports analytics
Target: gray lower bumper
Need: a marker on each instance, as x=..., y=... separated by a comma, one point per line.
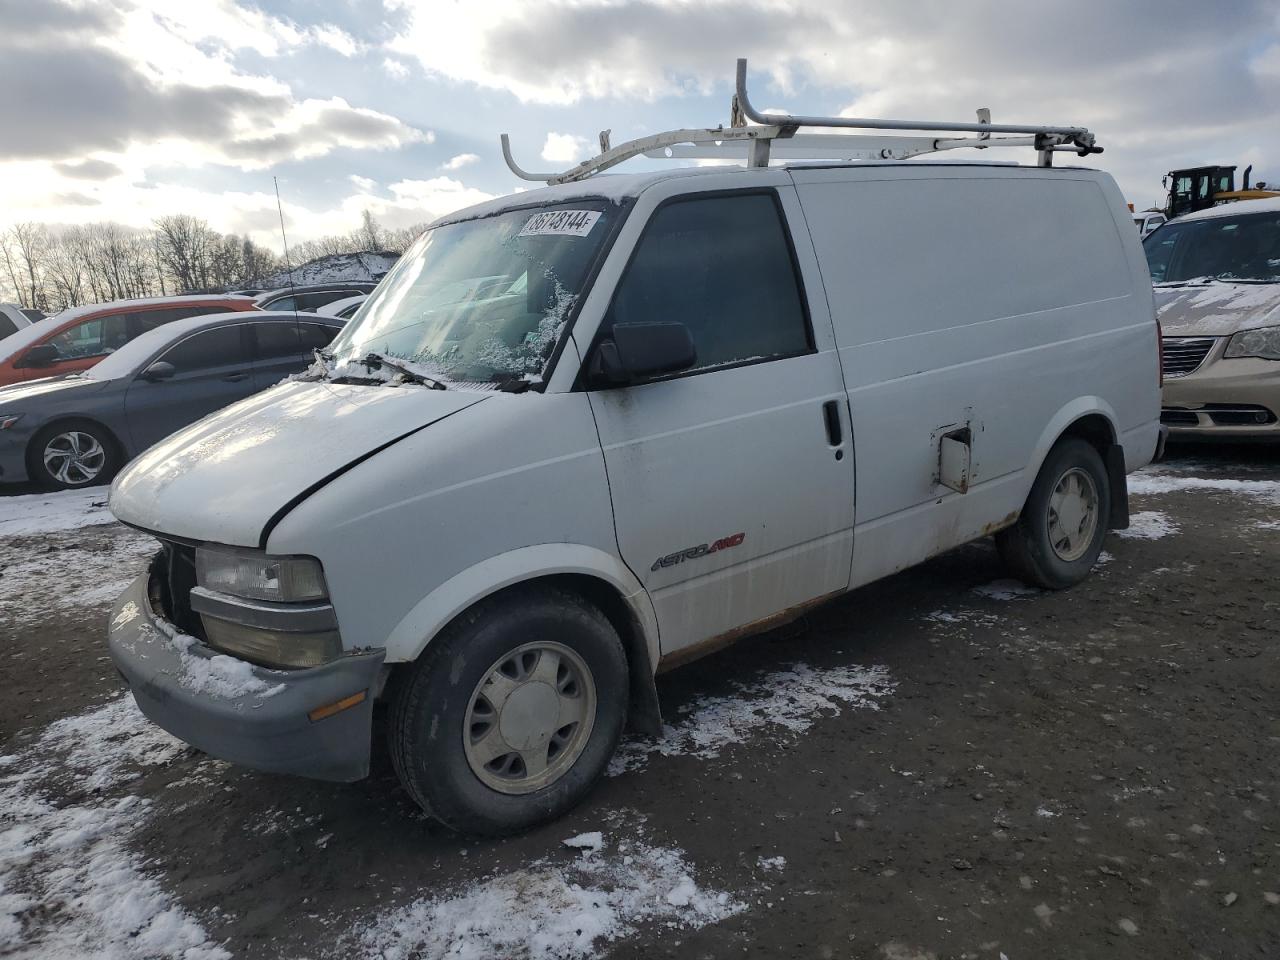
x=258, y=720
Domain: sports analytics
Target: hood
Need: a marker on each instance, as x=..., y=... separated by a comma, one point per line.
x=21, y=393
x=1218, y=308
x=227, y=477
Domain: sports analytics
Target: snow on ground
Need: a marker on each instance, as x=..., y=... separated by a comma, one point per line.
x=791, y=699
x=70, y=575
x=40, y=513
x=552, y=908
x=1148, y=525
x=1148, y=482
x=69, y=885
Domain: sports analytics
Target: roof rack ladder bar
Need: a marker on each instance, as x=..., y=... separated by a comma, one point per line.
x=792, y=121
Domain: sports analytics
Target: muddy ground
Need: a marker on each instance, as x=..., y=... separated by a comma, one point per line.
x=1006, y=774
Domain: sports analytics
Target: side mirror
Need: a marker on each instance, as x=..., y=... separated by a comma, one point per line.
x=41, y=355
x=160, y=370
x=637, y=351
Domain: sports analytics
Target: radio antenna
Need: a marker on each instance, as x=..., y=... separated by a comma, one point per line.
x=285, y=240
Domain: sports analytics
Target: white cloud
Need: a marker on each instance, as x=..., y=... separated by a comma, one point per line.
x=336, y=39
x=364, y=183
x=460, y=161
x=564, y=148
x=395, y=68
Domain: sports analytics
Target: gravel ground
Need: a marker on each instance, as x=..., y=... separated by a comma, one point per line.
x=941, y=765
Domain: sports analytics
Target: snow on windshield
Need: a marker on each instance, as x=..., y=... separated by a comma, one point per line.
x=482, y=301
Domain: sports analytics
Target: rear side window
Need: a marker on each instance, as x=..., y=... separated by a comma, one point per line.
x=220, y=347
x=310, y=301
x=316, y=336
x=722, y=266
x=7, y=326
x=93, y=338
x=277, y=340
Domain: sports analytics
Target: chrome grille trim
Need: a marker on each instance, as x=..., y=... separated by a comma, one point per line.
x=1183, y=355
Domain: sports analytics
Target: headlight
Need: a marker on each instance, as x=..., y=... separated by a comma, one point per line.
x=258, y=576
x=1263, y=342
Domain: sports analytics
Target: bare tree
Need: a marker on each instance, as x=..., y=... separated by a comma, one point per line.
x=368, y=236
x=24, y=249
x=185, y=243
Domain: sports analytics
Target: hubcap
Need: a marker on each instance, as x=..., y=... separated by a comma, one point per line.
x=529, y=718
x=74, y=458
x=1073, y=514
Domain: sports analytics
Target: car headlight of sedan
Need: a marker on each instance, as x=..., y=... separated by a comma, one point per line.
x=1263, y=342
x=265, y=609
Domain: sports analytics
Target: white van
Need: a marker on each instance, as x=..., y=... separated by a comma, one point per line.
x=590, y=431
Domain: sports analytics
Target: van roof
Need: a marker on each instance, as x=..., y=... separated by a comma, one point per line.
x=1237, y=208
x=618, y=187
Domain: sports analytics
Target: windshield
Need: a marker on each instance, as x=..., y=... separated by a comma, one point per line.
x=1245, y=247
x=482, y=300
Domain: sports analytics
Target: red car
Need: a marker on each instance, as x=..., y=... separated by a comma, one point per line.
x=79, y=337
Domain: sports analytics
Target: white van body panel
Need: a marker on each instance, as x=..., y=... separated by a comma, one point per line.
x=734, y=452
x=522, y=471
x=1006, y=301
x=225, y=477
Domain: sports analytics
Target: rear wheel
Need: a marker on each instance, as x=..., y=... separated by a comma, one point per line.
x=66, y=456
x=512, y=713
x=1058, y=536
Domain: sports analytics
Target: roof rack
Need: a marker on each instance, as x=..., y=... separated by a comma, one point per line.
x=776, y=137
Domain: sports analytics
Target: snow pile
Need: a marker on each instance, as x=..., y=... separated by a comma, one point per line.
x=1006, y=590
x=771, y=863
x=334, y=268
x=227, y=678
x=790, y=699
x=552, y=908
x=69, y=886
x=1148, y=525
x=36, y=514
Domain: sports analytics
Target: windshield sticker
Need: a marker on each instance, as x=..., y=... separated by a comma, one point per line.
x=560, y=223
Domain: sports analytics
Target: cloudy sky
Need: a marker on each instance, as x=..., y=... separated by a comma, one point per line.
x=128, y=109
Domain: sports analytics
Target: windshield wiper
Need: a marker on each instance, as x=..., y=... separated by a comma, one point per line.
x=373, y=360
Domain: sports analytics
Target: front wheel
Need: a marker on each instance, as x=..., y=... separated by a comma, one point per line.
x=512, y=713
x=1058, y=536
x=67, y=456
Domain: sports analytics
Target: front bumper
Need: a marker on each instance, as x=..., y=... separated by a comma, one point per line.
x=1218, y=401
x=259, y=720
x=13, y=456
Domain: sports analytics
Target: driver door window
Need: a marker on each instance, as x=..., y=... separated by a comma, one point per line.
x=211, y=371
x=722, y=267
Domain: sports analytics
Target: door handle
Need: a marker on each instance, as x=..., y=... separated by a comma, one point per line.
x=235, y=377
x=831, y=417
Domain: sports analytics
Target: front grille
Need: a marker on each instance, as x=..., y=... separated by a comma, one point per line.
x=1183, y=355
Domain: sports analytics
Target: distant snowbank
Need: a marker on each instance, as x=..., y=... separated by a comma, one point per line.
x=335, y=268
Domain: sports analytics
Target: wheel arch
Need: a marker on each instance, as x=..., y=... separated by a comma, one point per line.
x=596, y=576
x=1093, y=420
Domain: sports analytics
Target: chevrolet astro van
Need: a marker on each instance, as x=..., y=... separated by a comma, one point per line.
x=586, y=432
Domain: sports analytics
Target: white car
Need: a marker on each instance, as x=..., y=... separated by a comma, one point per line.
x=344, y=309
x=1146, y=221
x=673, y=408
x=14, y=316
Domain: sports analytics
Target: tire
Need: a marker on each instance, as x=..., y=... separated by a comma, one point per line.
x=72, y=454
x=1040, y=549
x=447, y=739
